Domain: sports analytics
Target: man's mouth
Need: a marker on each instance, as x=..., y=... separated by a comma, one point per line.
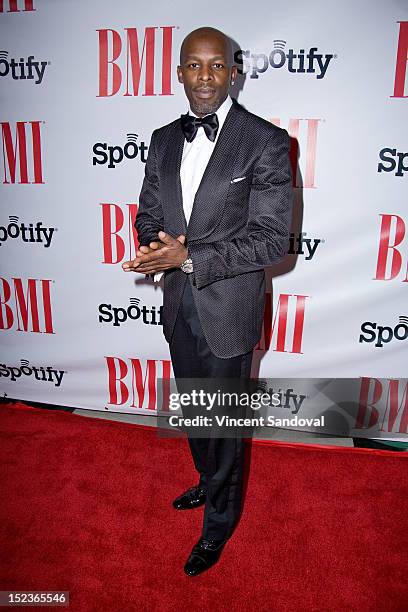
x=204, y=92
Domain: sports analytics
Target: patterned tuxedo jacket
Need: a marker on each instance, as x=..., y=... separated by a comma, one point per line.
x=240, y=223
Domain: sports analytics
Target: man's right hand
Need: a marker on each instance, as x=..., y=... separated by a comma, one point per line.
x=144, y=250
x=149, y=260
x=153, y=246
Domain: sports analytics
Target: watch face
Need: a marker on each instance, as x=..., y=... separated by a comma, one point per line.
x=187, y=266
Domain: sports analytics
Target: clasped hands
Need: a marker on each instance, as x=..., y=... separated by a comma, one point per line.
x=159, y=256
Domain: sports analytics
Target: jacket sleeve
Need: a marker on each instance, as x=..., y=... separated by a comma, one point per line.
x=149, y=219
x=267, y=231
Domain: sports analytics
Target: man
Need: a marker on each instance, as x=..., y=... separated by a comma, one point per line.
x=214, y=210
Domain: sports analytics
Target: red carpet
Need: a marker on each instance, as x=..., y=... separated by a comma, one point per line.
x=86, y=507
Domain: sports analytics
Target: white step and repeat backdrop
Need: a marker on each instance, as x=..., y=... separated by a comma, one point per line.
x=83, y=85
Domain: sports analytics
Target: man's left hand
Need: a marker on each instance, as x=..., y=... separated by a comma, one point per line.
x=171, y=254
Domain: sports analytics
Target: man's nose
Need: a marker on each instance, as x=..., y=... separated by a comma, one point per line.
x=205, y=73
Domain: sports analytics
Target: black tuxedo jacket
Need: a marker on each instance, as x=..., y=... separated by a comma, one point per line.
x=237, y=227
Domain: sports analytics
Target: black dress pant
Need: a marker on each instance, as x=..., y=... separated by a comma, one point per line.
x=218, y=460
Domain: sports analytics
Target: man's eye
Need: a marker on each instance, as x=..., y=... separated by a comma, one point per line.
x=192, y=65
x=219, y=65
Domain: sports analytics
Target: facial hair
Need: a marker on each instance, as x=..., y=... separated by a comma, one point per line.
x=203, y=107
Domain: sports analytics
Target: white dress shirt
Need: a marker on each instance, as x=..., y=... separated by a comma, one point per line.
x=196, y=155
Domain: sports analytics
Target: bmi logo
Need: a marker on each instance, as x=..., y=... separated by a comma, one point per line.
x=138, y=383
x=401, y=61
x=115, y=154
x=22, y=69
x=22, y=155
x=119, y=235
x=15, y=6
x=384, y=404
x=300, y=62
x=25, y=305
x=391, y=249
x=303, y=131
x=135, y=62
x=286, y=327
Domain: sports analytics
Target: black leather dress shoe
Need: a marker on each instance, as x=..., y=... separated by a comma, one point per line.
x=203, y=556
x=192, y=498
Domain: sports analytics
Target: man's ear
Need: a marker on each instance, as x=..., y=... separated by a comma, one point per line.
x=179, y=74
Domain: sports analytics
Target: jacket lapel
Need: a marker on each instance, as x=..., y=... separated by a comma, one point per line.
x=207, y=207
x=172, y=187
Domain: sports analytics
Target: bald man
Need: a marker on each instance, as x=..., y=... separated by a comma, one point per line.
x=214, y=211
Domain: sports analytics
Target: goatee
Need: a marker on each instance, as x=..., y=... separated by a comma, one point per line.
x=205, y=108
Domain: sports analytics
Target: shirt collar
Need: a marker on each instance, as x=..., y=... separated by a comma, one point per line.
x=221, y=113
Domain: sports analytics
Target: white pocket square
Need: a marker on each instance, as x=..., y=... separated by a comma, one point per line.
x=236, y=180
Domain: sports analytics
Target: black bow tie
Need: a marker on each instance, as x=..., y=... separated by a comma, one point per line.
x=190, y=125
